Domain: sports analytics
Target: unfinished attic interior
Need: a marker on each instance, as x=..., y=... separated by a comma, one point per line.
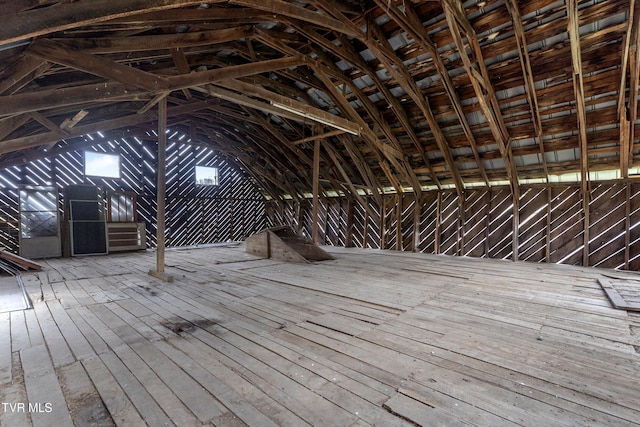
x=471, y=170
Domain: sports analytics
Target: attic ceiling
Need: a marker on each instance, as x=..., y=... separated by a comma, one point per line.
x=402, y=95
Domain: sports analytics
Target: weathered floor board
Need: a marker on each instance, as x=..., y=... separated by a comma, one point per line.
x=371, y=338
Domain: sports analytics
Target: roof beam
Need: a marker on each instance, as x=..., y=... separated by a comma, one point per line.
x=58, y=53
x=396, y=157
x=18, y=74
x=578, y=88
x=157, y=42
x=412, y=24
x=347, y=51
x=109, y=91
x=460, y=26
x=298, y=110
x=399, y=71
x=181, y=63
x=136, y=119
x=296, y=12
x=64, y=16
x=628, y=109
x=395, y=67
x=527, y=73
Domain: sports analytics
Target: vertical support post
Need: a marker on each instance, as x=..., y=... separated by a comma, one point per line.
x=461, y=220
x=515, y=238
x=436, y=244
x=487, y=224
x=627, y=225
x=547, y=254
x=316, y=188
x=417, y=213
x=348, y=241
x=299, y=216
x=585, y=208
x=365, y=233
x=161, y=191
x=383, y=223
x=399, y=209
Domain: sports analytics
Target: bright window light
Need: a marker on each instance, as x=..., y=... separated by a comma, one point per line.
x=101, y=164
x=206, y=175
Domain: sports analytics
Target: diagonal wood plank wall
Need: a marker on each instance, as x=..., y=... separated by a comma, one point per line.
x=550, y=226
x=196, y=214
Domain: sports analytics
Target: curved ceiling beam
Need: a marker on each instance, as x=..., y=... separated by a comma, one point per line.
x=411, y=23
x=460, y=26
x=64, y=16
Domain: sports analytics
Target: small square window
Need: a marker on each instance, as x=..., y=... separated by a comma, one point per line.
x=101, y=164
x=206, y=175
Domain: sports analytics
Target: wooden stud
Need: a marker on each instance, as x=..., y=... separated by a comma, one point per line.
x=316, y=183
x=436, y=244
x=627, y=224
x=161, y=193
x=365, y=233
x=547, y=250
x=515, y=237
x=460, y=26
x=383, y=224
x=587, y=225
x=578, y=88
x=399, y=200
x=417, y=213
x=349, y=228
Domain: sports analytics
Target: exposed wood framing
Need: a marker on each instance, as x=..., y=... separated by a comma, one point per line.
x=315, y=137
x=529, y=81
x=392, y=154
x=479, y=75
x=397, y=68
x=182, y=65
x=383, y=151
x=161, y=190
x=20, y=73
x=109, y=91
x=154, y=42
x=316, y=185
x=578, y=88
x=408, y=19
x=48, y=124
x=630, y=67
x=33, y=23
x=296, y=12
x=31, y=141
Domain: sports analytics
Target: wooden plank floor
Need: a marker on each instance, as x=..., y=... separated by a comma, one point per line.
x=371, y=338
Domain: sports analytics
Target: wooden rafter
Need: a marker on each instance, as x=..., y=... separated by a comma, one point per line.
x=155, y=42
x=628, y=110
x=114, y=91
x=354, y=152
x=527, y=73
x=294, y=109
x=346, y=50
x=395, y=67
x=338, y=161
x=460, y=26
x=395, y=157
x=18, y=74
x=392, y=152
x=578, y=88
x=296, y=12
x=268, y=170
x=31, y=141
x=411, y=23
x=48, y=124
x=54, y=52
x=33, y=23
